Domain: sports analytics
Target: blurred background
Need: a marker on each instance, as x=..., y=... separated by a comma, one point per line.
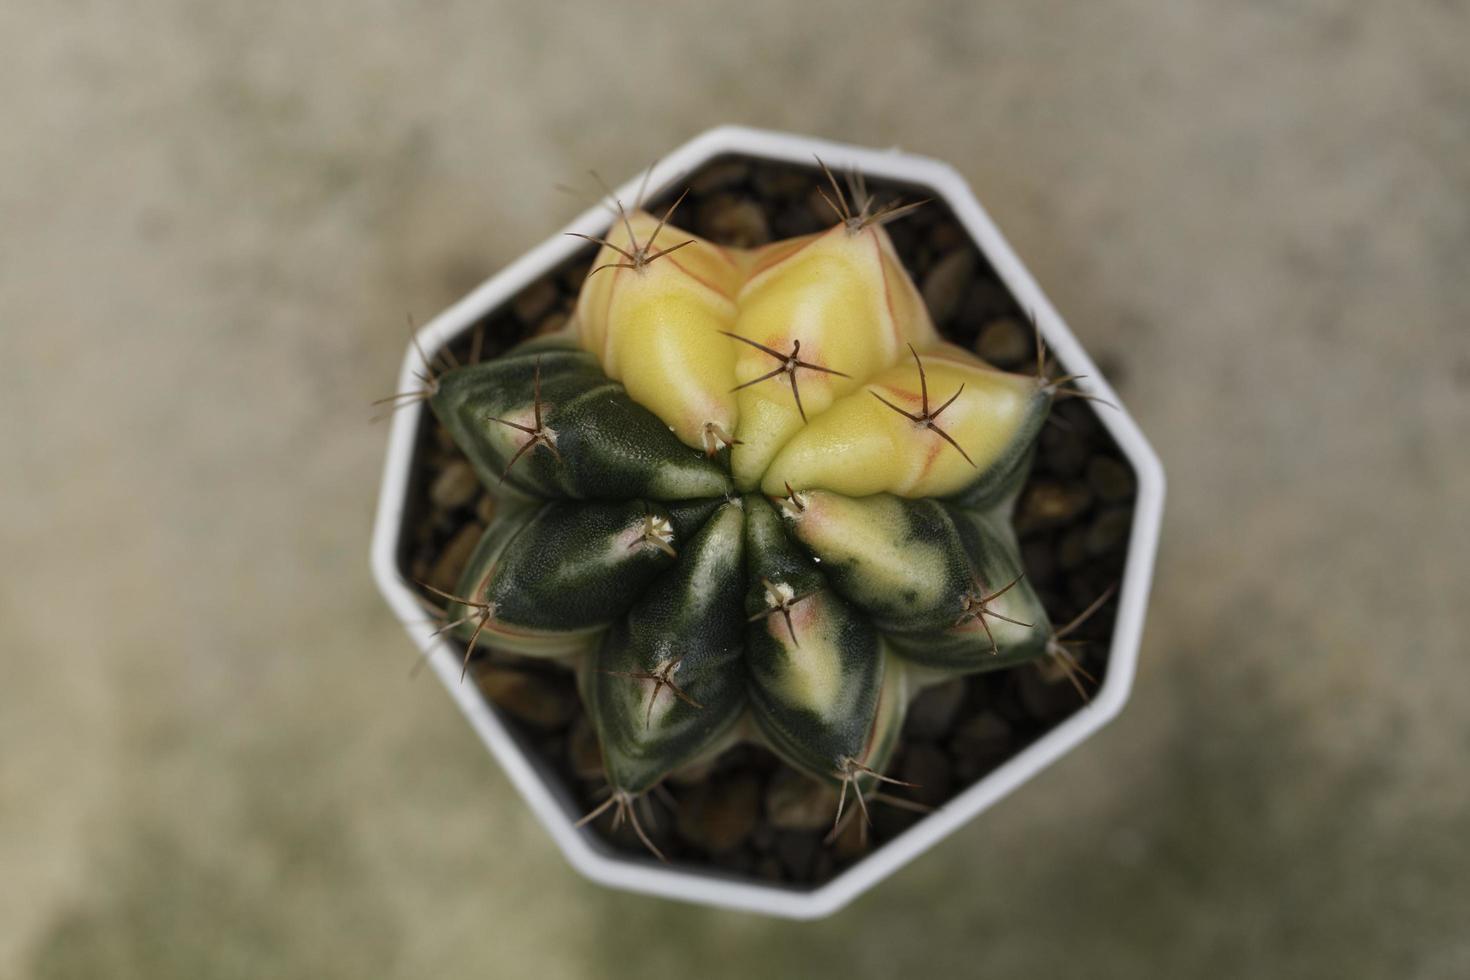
x=214, y=219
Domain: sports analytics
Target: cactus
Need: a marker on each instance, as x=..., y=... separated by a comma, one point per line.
x=749, y=493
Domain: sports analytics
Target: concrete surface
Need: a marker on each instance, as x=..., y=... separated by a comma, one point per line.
x=213, y=219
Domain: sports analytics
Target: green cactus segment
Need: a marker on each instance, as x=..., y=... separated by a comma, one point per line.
x=988, y=633
x=555, y=578
x=901, y=561
x=666, y=681
x=815, y=664
x=594, y=441
x=689, y=516
x=772, y=556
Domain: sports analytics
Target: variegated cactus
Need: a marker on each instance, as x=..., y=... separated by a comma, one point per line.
x=751, y=493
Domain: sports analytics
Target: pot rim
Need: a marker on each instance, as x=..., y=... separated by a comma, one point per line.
x=554, y=808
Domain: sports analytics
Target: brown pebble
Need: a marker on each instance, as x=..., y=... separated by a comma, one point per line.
x=736, y=221
x=1072, y=550
x=1004, y=342
x=769, y=868
x=986, y=737
x=779, y=182
x=985, y=300
x=947, y=234
x=1039, y=558
x=798, y=802
x=718, y=816
x=856, y=838
x=944, y=286
x=795, y=221
x=446, y=571
x=455, y=486
x=1109, y=530
x=1046, y=692
x=485, y=509
x=928, y=769
x=1111, y=479
x=583, y=753
x=1063, y=447
x=532, y=697
x=931, y=714
x=572, y=277
x=798, y=852
x=535, y=301
x=551, y=324
x=1050, y=504
x=718, y=176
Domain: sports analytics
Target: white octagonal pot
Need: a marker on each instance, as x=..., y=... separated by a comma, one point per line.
x=541, y=787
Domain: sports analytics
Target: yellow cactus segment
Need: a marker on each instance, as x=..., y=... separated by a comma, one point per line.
x=777, y=352
x=909, y=309
x=655, y=327
x=849, y=308
x=862, y=446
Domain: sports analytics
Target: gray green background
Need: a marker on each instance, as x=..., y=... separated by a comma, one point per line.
x=213, y=220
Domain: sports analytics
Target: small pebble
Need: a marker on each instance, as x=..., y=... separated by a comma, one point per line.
x=933, y=712
x=856, y=837
x=779, y=182
x=1072, y=551
x=551, y=324
x=796, y=221
x=944, y=286
x=928, y=769
x=1005, y=343
x=983, y=740
x=1039, y=558
x=798, y=802
x=1063, y=448
x=987, y=299
x=446, y=571
x=718, y=176
x=740, y=860
x=769, y=868
x=947, y=234
x=455, y=486
x=485, y=509
x=798, y=851
x=535, y=301
x=1046, y=692
x=1050, y=504
x=1111, y=479
x=583, y=753
x=1109, y=530
x=736, y=221
x=720, y=814
x=532, y=697
x=572, y=276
